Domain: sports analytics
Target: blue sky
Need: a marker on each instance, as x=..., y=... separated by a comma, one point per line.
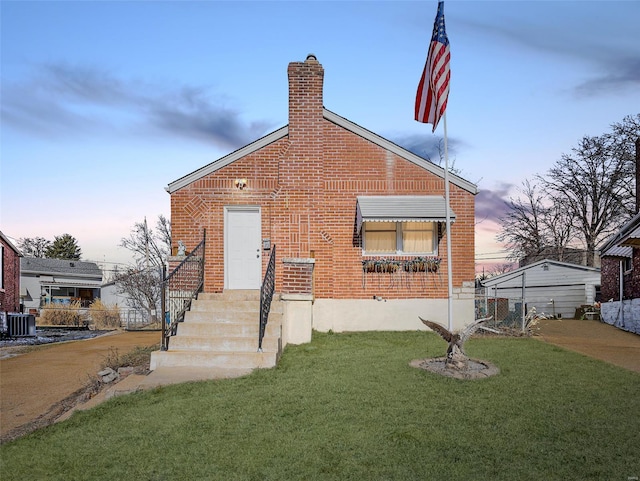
x=105, y=103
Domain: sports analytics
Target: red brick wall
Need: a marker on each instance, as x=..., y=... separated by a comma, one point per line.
x=306, y=185
x=10, y=291
x=304, y=222
x=610, y=278
x=297, y=277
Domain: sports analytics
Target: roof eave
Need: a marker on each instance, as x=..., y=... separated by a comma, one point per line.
x=227, y=159
x=520, y=270
x=10, y=244
x=338, y=120
x=621, y=236
x=399, y=151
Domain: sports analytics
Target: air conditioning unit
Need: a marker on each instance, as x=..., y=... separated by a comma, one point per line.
x=21, y=325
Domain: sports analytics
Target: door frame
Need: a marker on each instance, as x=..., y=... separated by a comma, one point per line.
x=239, y=208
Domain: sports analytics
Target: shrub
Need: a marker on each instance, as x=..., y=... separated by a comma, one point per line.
x=139, y=357
x=63, y=315
x=104, y=316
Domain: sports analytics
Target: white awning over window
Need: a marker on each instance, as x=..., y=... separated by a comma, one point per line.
x=633, y=239
x=402, y=208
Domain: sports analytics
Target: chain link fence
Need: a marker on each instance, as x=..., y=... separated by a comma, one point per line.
x=140, y=319
x=506, y=312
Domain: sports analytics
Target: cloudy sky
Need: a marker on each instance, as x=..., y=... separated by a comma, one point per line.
x=103, y=104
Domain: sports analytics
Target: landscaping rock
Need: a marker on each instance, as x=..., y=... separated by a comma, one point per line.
x=125, y=371
x=108, y=375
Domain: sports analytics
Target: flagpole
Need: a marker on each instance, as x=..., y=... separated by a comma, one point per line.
x=448, y=227
x=431, y=104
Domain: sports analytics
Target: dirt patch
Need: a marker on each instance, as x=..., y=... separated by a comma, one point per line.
x=476, y=368
x=593, y=338
x=42, y=383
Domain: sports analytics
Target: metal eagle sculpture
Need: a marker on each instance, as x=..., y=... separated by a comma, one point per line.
x=456, y=357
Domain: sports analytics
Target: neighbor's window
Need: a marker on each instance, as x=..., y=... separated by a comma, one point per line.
x=628, y=265
x=399, y=237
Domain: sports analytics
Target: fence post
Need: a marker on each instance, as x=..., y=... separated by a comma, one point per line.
x=163, y=305
x=524, y=287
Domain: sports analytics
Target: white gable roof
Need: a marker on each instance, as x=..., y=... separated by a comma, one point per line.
x=621, y=243
x=546, y=272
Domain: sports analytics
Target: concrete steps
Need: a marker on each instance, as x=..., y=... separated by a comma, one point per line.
x=215, y=359
x=221, y=332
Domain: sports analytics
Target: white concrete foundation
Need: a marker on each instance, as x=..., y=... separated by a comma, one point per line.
x=302, y=314
x=341, y=315
x=297, y=318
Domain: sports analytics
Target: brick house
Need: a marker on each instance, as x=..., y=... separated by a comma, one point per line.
x=621, y=270
x=58, y=281
x=358, y=222
x=9, y=276
x=621, y=277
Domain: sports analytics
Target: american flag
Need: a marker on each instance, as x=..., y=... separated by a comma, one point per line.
x=433, y=90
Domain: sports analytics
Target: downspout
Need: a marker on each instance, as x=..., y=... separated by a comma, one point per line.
x=522, y=307
x=495, y=302
x=486, y=302
x=621, y=288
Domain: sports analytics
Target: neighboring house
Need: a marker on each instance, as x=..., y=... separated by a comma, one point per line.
x=354, y=218
x=621, y=277
x=130, y=316
x=9, y=276
x=47, y=281
x=570, y=255
x=552, y=287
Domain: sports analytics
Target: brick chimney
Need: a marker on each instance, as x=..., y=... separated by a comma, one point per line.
x=301, y=167
x=305, y=98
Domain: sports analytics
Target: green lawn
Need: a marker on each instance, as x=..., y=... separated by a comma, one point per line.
x=348, y=406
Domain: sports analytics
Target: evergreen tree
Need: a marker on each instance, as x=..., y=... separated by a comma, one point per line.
x=64, y=246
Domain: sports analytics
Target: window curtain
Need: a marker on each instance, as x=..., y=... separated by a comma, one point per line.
x=380, y=237
x=417, y=237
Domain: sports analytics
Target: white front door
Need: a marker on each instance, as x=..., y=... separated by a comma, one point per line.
x=243, y=254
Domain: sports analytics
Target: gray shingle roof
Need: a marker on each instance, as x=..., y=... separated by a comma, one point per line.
x=59, y=266
x=628, y=235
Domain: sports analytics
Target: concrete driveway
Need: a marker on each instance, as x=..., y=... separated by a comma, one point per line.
x=595, y=339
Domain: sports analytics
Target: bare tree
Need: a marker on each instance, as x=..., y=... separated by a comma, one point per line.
x=623, y=138
x=499, y=269
x=143, y=283
x=34, y=246
x=148, y=244
x=523, y=227
x=583, y=198
x=143, y=287
x=441, y=159
x=591, y=185
x=559, y=229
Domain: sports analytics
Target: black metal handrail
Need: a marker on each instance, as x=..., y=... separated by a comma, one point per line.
x=180, y=288
x=266, y=295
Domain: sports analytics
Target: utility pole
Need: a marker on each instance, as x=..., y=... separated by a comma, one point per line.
x=146, y=242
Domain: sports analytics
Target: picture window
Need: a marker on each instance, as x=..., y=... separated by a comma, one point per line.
x=399, y=238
